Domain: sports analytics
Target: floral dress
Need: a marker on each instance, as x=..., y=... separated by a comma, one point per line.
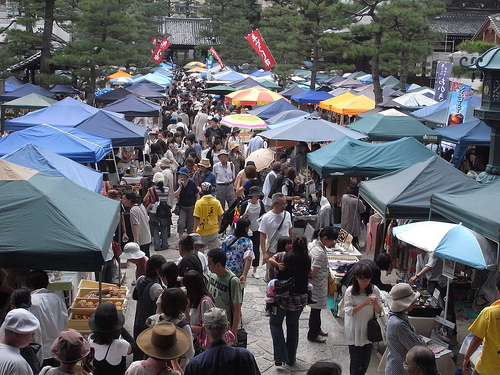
x=236, y=253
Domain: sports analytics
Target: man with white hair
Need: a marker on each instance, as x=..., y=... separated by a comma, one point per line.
x=20, y=326
x=221, y=358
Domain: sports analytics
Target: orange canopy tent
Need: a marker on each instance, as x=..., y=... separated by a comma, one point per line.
x=328, y=103
x=253, y=96
x=196, y=69
x=119, y=74
x=194, y=63
x=354, y=105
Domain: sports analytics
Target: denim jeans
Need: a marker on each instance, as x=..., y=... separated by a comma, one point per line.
x=160, y=233
x=185, y=220
x=360, y=358
x=285, y=351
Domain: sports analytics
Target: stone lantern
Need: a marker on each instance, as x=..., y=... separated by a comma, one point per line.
x=489, y=112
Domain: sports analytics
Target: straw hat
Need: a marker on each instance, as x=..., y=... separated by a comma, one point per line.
x=204, y=162
x=70, y=346
x=233, y=145
x=402, y=297
x=164, y=341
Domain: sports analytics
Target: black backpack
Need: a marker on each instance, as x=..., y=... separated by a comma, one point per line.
x=163, y=211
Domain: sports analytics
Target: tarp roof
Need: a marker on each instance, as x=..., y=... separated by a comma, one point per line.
x=26, y=89
x=72, y=226
x=74, y=144
x=353, y=106
x=34, y=157
x=131, y=105
x=477, y=209
x=441, y=116
x=288, y=93
x=391, y=82
x=406, y=193
x=327, y=104
x=119, y=74
x=112, y=96
x=475, y=132
x=391, y=124
x=414, y=99
x=156, y=78
x=308, y=129
x=228, y=75
x=64, y=89
x=30, y=101
x=142, y=89
x=14, y=81
x=311, y=96
x=350, y=157
x=121, y=132
x=286, y=115
x=151, y=85
x=67, y=112
x=269, y=110
x=248, y=81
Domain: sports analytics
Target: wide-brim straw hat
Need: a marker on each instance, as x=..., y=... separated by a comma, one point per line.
x=402, y=297
x=204, y=162
x=164, y=341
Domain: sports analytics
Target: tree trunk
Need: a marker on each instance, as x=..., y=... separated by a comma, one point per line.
x=314, y=67
x=92, y=86
x=377, y=89
x=403, y=77
x=46, y=38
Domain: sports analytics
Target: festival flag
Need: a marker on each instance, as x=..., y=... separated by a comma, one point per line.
x=158, y=53
x=457, y=109
x=154, y=41
x=258, y=44
x=216, y=55
x=443, y=72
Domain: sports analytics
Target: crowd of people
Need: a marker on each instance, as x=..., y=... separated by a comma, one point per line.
x=188, y=314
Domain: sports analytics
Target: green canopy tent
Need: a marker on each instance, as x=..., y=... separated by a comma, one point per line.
x=391, y=124
x=477, y=209
x=30, y=101
x=50, y=222
x=405, y=194
x=350, y=157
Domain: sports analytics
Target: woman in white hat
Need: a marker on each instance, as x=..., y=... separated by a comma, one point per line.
x=401, y=335
x=132, y=252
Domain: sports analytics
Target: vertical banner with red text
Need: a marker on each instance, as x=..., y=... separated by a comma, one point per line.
x=158, y=53
x=258, y=44
x=216, y=55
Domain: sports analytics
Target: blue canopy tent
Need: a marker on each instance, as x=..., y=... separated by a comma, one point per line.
x=228, y=75
x=156, y=78
x=151, y=85
x=34, y=157
x=311, y=97
x=350, y=157
x=67, y=112
x=248, y=81
x=273, y=108
x=121, y=132
x=9, y=87
x=142, y=89
x=113, y=96
x=133, y=106
x=74, y=144
x=14, y=81
x=26, y=89
x=470, y=133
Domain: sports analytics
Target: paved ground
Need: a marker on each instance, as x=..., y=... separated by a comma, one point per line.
x=259, y=337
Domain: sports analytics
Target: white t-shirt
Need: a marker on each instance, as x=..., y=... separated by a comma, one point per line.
x=269, y=225
x=11, y=362
x=253, y=211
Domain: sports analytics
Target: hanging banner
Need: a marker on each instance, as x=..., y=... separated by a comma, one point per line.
x=216, y=55
x=443, y=72
x=258, y=44
x=209, y=63
x=154, y=41
x=158, y=53
x=458, y=105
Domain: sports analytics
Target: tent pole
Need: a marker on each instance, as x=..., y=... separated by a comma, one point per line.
x=116, y=166
x=446, y=299
x=119, y=244
x=100, y=285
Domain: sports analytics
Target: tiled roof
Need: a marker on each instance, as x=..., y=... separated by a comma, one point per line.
x=458, y=23
x=185, y=31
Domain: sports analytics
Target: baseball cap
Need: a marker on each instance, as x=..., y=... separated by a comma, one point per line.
x=206, y=187
x=21, y=321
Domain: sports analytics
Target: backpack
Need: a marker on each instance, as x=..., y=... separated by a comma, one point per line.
x=163, y=211
x=277, y=184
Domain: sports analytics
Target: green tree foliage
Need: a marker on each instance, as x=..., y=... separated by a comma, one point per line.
x=231, y=21
x=304, y=30
x=475, y=47
x=107, y=33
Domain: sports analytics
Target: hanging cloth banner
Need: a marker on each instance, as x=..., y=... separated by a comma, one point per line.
x=216, y=55
x=443, y=72
x=158, y=53
x=258, y=44
x=457, y=109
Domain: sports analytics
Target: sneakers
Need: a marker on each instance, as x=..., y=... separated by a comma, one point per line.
x=255, y=276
